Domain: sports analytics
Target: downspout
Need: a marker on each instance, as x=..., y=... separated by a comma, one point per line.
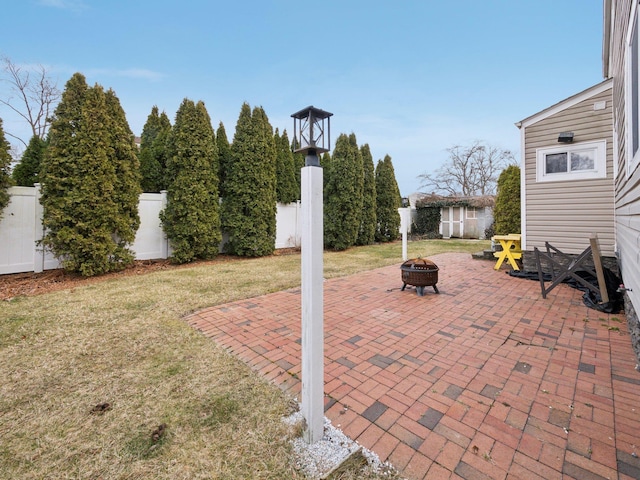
x=523, y=190
x=608, y=18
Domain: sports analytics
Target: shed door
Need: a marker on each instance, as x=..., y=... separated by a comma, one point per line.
x=456, y=222
x=451, y=222
x=445, y=223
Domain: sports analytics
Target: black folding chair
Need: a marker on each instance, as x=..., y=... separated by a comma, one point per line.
x=566, y=266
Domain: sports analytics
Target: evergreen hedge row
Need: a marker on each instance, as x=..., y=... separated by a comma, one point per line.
x=92, y=174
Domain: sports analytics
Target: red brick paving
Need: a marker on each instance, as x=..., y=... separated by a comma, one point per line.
x=486, y=380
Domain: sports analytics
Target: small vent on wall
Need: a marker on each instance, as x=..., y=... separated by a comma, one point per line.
x=600, y=105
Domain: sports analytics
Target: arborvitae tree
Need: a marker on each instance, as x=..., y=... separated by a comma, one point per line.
x=59, y=166
x=26, y=173
x=343, y=194
x=224, y=157
x=507, y=210
x=325, y=163
x=286, y=191
x=298, y=163
x=160, y=148
x=5, y=162
x=123, y=154
x=89, y=218
x=249, y=206
x=388, y=201
x=153, y=155
x=192, y=217
x=368, y=220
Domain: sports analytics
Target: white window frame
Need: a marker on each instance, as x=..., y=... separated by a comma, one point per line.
x=471, y=213
x=633, y=158
x=600, y=164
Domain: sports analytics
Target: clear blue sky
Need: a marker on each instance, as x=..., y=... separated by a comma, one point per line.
x=409, y=77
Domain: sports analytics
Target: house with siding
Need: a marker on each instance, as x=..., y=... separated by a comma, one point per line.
x=567, y=175
x=621, y=64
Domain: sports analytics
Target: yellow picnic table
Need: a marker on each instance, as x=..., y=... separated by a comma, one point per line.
x=511, y=250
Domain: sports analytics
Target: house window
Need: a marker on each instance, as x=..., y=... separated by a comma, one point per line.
x=472, y=213
x=633, y=94
x=581, y=161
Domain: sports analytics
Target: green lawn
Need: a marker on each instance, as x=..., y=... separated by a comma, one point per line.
x=123, y=342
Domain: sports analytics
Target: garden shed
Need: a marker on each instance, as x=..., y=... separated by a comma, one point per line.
x=460, y=217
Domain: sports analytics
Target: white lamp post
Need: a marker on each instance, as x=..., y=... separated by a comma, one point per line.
x=405, y=222
x=312, y=137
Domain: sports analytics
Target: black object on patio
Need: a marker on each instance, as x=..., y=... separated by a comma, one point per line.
x=420, y=273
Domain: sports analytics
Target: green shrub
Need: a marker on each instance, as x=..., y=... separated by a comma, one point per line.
x=90, y=181
x=286, y=191
x=367, y=231
x=427, y=222
x=27, y=172
x=388, y=201
x=343, y=194
x=192, y=217
x=249, y=204
x=224, y=157
x=507, y=210
x=5, y=178
x=153, y=154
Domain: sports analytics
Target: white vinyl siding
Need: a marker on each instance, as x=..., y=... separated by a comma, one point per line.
x=566, y=213
x=633, y=91
x=627, y=184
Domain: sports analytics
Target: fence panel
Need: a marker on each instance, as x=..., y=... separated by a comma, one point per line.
x=21, y=229
x=288, y=225
x=17, y=231
x=150, y=242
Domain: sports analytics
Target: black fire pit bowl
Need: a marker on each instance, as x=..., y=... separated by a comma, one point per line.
x=420, y=273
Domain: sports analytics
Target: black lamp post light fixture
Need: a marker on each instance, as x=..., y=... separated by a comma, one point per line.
x=311, y=131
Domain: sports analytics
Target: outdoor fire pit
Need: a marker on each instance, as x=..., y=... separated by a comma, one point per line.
x=420, y=273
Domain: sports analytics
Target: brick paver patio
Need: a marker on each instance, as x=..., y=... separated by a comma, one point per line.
x=486, y=380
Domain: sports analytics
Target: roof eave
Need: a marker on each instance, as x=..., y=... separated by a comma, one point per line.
x=566, y=103
x=606, y=38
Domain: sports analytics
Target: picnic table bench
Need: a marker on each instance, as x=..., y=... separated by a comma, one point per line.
x=511, y=250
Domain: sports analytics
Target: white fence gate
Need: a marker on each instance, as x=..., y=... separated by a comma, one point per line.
x=21, y=229
x=150, y=242
x=18, y=231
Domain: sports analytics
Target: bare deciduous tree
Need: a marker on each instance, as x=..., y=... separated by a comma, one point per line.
x=32, y=95
x=470, y=170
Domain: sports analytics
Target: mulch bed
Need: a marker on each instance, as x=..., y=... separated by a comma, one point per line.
x=29, y=284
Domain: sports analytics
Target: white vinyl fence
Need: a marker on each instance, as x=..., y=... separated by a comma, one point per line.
x=21, y=229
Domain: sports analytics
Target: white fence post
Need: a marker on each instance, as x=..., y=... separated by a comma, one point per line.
x=38, y=251
x=165, y=242
x=405, y=226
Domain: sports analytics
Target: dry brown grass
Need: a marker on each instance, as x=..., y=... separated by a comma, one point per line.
x=123, y=342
